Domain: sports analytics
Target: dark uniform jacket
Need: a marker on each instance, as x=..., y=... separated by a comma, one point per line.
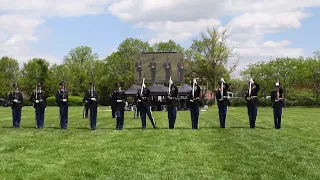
x=254, y=96
x=120, y=95
x=280, y=103
x=172, y=100
x=153, y=66
x=225, y=101
x=87, y=98
x=146, y=97
x=167, y=66
x=60, y=95
x=18, y=96
x=41, y=97
x=194, y=101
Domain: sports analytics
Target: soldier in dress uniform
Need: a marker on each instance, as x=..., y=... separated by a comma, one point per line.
x=91, y=97
x=223, y=102
x=62, y=103
x=181, y=70
x=277, y=104
x=194, y=101
x=138, y=66
x=251, y=96
x=172, y=103
x=16, y=99
x=38, y=97
x=120, y=103
x=153, y=67
x=144, y=101
x=167, y=69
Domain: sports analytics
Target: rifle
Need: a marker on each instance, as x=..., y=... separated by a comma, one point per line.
x=193, y=87
x=141, y=92
x=36, y=93
x=92, y=83
x=37, y=78
x=250, y=83
x=15, y=88
x=170, y=84
x=64, y=86
x=221, y=90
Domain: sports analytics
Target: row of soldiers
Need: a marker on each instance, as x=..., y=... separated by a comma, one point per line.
x=143, y=99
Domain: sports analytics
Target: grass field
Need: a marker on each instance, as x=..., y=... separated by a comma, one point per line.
x=236, y=152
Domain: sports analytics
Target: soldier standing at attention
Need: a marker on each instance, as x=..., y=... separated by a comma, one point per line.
x=172, y=104
x=251, y=97
x=38, y=97
x=223, y=102
x=62, y=103
x=145, y=107
x=167, y=69
x=194, y=101
x=153, y=67
x=16, y=99
x=277, y=104
x=91, y=97
x=120, y=103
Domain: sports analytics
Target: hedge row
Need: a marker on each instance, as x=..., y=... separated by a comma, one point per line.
x=51, y=101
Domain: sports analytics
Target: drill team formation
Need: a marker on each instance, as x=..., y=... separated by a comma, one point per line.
x=143, y=100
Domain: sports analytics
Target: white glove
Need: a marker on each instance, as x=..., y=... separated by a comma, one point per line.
x=93, y=99
x=16, y=101
x=64, y=100
x=119, y=100
x=191, y=100
x=248, y=98
x=139, y=100
x=126, y=103
x=37, y=101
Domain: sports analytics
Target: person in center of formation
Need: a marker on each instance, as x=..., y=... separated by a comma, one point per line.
x=16, y=99
x=38, y=97
x=120, y=103
x=91, y=97
x=172, y=104
x=277, y=104
x=194, y=102
x=222, y=101
x=251, y=96
x=62, y=103
x=144, y=103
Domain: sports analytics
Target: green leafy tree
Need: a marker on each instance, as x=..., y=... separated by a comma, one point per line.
x=29, y=75
x=9, y=69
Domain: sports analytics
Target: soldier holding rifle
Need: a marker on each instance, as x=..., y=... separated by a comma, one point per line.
x=251, y=96
x=16, y=99
x=223, y=102
x=194, y=101
x=277, y=104
x=62, y=103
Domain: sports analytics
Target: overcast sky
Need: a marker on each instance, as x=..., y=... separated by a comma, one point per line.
x=259, y=28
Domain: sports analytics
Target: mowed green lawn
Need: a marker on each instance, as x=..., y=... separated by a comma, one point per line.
x=236, y=152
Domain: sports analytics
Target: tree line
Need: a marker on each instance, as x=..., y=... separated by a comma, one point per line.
x=206, y=59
